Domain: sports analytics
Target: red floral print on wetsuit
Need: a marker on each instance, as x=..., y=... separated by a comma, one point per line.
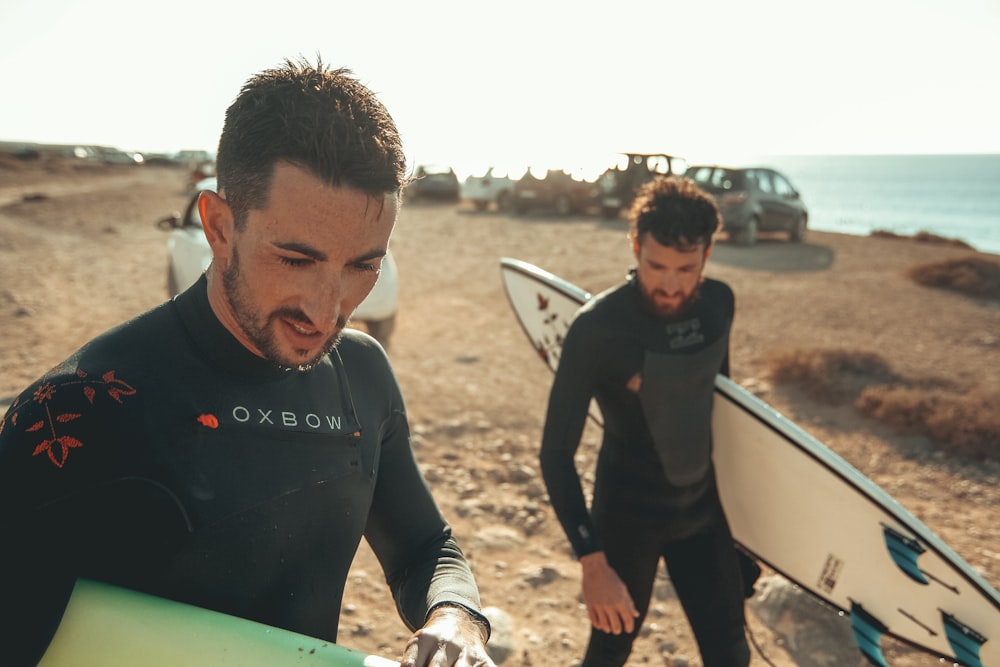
x=58, y=446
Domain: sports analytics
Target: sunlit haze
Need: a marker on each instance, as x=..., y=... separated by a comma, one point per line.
x=522, y=82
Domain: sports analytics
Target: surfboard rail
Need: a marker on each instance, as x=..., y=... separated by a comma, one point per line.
x=108, y=626
x=798, y=437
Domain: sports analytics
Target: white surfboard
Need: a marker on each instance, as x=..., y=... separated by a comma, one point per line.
x=107, y=626
x=808, y=514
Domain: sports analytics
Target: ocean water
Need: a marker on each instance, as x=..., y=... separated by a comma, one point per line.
x=955, y=196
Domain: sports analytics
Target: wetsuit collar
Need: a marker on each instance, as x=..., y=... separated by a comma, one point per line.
x=215, y=344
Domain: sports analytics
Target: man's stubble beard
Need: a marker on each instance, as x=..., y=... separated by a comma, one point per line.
x=259, y=329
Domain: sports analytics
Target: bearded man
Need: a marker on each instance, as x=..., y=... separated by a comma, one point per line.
x=648, y=350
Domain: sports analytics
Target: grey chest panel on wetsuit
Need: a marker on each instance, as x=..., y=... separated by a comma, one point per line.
x=676, y=396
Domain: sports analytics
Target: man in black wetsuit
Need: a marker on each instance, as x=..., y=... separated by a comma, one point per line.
x=231, y=447
x=648, y=351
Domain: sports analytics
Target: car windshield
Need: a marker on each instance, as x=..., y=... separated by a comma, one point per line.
x=717, y=177
x=495, y=172
x=433, y=170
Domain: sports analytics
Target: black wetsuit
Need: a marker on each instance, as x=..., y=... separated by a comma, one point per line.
x=165, y=457
x=654, y=493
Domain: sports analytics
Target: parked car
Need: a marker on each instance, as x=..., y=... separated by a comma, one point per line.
x=556, y=190
x=108, y=155
x=617, y=185
x=190, y=157
x=189, y=255
x=433, y=181
x=198, y=172
x=491, y=187
x=753, y=200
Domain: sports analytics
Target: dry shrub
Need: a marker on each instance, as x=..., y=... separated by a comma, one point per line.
x=927, y=237
x=921, y=237
x=974, y=276
x=832, y=376
x=884, y=234
x=902, y=408
x=965, y=424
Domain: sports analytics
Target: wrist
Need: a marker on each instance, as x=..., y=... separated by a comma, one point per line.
x=595, y=559
x=463, y=614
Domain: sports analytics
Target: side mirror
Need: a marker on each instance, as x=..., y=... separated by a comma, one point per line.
x=172, y=221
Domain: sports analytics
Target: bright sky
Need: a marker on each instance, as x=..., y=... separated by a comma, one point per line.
x=522, y=81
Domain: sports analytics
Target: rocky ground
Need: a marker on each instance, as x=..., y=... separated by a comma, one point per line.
x=79, y=252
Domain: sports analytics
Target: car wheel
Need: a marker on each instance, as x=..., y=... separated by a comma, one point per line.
x=480, y=204
x=503, y=202
x=609, y=212
x=381, y=330
x=798, y=230
x=563, y=205
x=748, y=235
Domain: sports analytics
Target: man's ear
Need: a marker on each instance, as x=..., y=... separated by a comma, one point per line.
x=634, y=238
x=217, y=221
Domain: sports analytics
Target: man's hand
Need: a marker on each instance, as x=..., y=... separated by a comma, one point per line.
x=450, y=638
x=609, y=604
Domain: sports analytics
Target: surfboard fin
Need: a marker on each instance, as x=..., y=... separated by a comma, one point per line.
x=905, y=552
x=964, y=641
x=868, y=632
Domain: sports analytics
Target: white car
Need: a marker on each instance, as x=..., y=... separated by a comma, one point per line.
x=189, y=255
x=490, y=187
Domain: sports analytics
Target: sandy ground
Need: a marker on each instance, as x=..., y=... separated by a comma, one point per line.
x=79, y=252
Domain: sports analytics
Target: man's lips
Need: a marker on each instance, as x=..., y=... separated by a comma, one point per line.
x=302, y=333
x=306, y=331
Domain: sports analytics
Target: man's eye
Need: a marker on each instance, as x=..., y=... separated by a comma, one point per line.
x=294, y=261
x=366, y=266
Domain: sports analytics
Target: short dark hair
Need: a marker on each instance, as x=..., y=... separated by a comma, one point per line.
x=313, y=117
x=675, y=211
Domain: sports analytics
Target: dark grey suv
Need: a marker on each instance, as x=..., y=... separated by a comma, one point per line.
x=617, y=186
x=753, y=200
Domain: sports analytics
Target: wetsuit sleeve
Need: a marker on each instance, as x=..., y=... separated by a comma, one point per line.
x=423, y=564
x=36, y=568
x=569, y=400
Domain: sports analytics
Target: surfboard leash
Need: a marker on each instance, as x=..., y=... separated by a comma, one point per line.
x=757, y=647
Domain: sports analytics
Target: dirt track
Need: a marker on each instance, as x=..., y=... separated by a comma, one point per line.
x=85, y=255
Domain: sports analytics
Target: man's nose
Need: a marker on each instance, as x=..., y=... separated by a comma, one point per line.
x=670, y=283
x=321, y=303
